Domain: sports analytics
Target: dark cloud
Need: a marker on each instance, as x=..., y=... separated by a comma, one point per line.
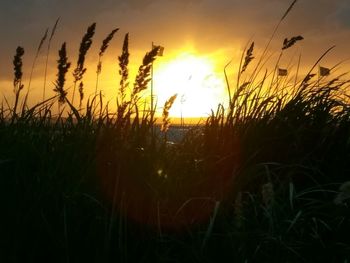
x=209, y=24
x=342, y=14
x=22, y=19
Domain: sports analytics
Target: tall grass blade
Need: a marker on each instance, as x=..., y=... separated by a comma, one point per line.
x=36, y=57
x=53, y=31
x=288, y=10
x=211, y=224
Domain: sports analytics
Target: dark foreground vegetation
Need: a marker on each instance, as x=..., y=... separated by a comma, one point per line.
x=264, y=180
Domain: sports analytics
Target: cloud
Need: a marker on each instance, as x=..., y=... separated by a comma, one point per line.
x=342, y=13
x=206, y=24
x=21, y=20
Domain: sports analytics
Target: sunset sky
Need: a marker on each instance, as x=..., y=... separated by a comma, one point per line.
x=206, y=33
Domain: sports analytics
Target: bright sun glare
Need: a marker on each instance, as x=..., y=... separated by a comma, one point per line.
x=194, y=80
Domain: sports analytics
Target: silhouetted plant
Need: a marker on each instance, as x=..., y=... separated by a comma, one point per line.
x=123, y=68
x=63, y=67
x=287, y=43
x=53, y=31
x=103, y=49
x=18, y=73
x=81, y=93
x=36, y=56
x=248, y=58
x=288, y=10
x=165, y=116
x=264, y=170
x=143, y=76
x=85, y=45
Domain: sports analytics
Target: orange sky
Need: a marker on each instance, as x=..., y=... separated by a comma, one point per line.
x=208, y=30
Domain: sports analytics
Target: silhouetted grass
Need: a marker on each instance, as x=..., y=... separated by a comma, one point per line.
x=264, y=180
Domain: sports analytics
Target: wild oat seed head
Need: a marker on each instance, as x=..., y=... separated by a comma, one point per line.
x=106, y=41
x=248, y=58
x=63, y=67
x=17, y=63
x=287, y=43
x=84, y=47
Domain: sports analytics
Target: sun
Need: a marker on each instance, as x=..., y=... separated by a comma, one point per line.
x=193, y=78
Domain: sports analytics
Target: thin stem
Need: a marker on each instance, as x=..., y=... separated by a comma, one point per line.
x=46, y=65
x=75, y=85
x=98, y=72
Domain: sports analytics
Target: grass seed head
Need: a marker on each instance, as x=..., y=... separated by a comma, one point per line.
x=106, y=41
x=144, y=74
x=18, y=63
x=63, y=67
x=248, y=58
x=167, y=106
x=287, y=43
x=85, y=45
x=123, y=66
x=81, y=92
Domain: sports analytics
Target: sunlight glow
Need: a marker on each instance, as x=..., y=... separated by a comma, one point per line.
x=194, y=79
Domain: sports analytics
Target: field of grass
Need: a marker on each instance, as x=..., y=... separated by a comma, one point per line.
x=264, y=180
